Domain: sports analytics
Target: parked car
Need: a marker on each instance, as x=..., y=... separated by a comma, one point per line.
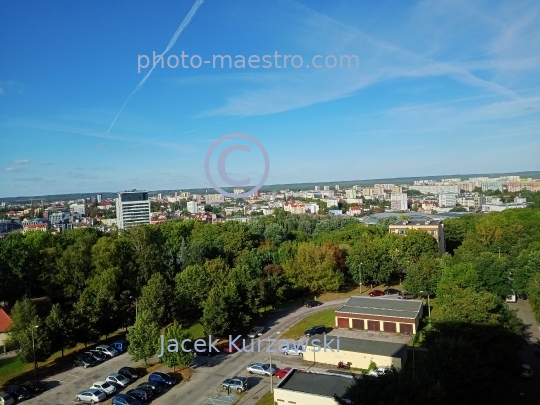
x=255, y=332
x=99, y=355
x=311, y=304
x=391, y=291
x=35, y=386
x=376, y=293
x=522, y=296
x=379, y=371
x=120, y=345
x=104, y=386
x=261, y=369
x=124, y=399
x=404, y=295
x=151, y=385
x=84, y=361
x=94, y=356
x=295, y=350
x=140, y=394
x=107, y=350
x=230, y=349
x=526, y=371
x=18, y=392
x=6, y=399
x=239, y=384
x=118, y=380
x=92, y=395
x=129, y=372
x=162, y=378
x=281, y=373
x=315, y=330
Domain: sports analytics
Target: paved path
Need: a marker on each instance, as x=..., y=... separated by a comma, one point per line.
x=208, y=372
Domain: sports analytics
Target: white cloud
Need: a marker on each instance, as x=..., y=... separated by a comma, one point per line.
x=21, y=161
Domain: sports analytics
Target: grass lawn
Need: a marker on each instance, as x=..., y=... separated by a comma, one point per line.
x=326, y=318
x=196, y=330
x=266, y=399
x=11, y=368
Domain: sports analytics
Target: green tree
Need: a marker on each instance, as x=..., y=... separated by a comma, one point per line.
x=59, y=329
x=156, y=299
x=275, y=234
x=423, y=275
x=144, y=338
x=176, y=357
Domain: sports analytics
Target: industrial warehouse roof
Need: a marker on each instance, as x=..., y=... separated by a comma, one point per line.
x=376, y=347
x=390, y=307
x=323, y=384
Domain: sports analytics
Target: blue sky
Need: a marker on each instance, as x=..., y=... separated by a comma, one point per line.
x=441, y=87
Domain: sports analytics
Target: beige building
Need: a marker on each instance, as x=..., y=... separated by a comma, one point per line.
x=330, y=349
x=302, y=387
x=434, y=227
x=380, y=315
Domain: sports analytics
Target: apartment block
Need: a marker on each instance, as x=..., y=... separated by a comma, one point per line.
x=192, y=207
x=132, y=208
x=434, y=227
x=447, y=200
x=398, y=202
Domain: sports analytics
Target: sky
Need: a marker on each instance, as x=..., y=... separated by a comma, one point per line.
x=441, y=87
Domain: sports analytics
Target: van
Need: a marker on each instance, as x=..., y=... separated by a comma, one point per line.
x=120, y=345
x=512, y=297
x=6, y=399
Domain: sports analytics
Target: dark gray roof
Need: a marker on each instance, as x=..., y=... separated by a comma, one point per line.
x=418, y=222
x=391, y=307
x=376, y=347
x=323, y=384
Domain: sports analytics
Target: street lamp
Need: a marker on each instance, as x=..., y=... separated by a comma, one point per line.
x=428, y=307
x=271, y=369
x=360, y=271
x=136, y=311
x=34, y=348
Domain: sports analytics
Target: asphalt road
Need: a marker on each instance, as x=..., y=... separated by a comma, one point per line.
x=208, y=372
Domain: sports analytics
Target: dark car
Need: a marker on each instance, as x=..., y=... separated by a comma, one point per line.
x=129, y=372
x=376, y=293
x=95, y=357
x=18, y=392
x=35, y=386
x=150, y=385
x=311, y=304
x=84, y=361
x=99, y=355
x=391, y=291
x=140, y=394
x=124, y=399
x=162, y=378
x=522, y=296
x=315, y=330
x=205, y=351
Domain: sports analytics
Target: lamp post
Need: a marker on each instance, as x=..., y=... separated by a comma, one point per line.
x=136, y=311
x=428, y=306
x=34, y=348
x=360, y=273
x=271, y=369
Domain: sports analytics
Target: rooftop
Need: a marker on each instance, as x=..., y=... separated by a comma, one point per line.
x=418, y=222
x=322, y=384
x=390, y=307
x=347, y=344
x=5, y=320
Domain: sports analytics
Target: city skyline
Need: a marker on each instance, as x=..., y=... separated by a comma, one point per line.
x=425, y=99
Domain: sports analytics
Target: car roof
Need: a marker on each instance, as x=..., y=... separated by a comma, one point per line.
x=92, y=390
x=101, y=382
x=115, y=375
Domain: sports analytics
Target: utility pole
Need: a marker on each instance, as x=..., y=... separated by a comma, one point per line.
x=34, y=349
x=360, y=271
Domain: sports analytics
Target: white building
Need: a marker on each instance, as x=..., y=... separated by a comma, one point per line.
x=437, y=189
x=492, y=185
x=332, y=202
x=326, y=188
x=214, y=198
x=132, y=208
x=80, y=208
x=192, y=207
x=99, y=197
x=350, y=193
x=238, y=191
x=398, y=202
x=447, y=200
x=311, y=208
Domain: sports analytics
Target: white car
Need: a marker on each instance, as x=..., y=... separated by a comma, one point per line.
x=380, y=371
x=92, y=395
x=118, y=379
x=107, y=350
x=104, y=386
x=295, y=350
x=262, y=369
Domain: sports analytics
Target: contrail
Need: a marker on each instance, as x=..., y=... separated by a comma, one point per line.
x=171, y=43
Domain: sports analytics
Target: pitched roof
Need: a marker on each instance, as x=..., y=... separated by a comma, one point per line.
x=5, y=320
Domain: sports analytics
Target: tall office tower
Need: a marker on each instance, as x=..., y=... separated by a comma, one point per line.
x=132, y=208
x=99, y=198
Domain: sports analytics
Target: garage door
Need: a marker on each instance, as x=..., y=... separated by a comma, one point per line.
x=406, y=328
x=374, y=325
x=390, y=327
x=358, y=324
x=343, y=323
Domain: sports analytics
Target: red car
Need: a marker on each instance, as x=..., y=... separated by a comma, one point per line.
x=281, y=373
x=376, y=293
x=230, y=349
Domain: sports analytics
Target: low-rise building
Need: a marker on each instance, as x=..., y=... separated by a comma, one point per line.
x=447, y=200
x=434, y=227
x=5, y=322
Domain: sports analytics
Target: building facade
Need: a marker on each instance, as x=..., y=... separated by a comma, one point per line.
x=398, y=202
x=132, y=208
x=434, y=227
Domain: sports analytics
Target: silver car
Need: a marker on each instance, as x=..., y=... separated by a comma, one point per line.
x=261, y=369
x=255, y=332
x=107, y=350
x=6, y=399
x=295, y=350
x=92, y=395
x=118, y=379
x=104, y=386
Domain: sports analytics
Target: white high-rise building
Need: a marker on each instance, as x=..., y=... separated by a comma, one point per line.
x=447, y=200
x=192, y=207
x=132, y=208
x=99, y=198
x=398, y=201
